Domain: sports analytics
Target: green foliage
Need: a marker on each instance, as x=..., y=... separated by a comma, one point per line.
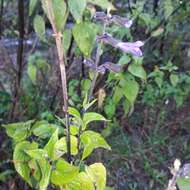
x=39, y=27
x=21, y=159
x=97, y=173
x=104, y=4
x=84, y=34
x=152, y=83
x=32, y=6
x=92, y=140
x=59, y=11
x=183, y=183
x=77, y=8
x=81, y=182
x=64, y=173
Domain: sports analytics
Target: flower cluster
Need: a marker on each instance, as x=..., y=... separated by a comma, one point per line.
x=127, y=47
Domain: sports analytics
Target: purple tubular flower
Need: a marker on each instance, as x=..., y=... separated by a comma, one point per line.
x=127, y=47
x=131, y=47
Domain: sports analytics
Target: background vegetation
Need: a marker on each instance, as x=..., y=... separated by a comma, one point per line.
x=149, y=128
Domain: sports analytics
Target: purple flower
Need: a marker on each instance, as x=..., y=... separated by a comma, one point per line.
x=131, y=47
x=128, y=47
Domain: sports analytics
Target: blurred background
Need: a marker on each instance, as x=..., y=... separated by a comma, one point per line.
x=146, y=137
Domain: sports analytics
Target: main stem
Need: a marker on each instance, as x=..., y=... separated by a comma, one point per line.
x=64, y=88
x=62, y=63
x=1, y=17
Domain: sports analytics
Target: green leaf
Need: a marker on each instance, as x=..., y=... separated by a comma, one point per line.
x=85, y=35
x=130, y=89
x=125, y=59
x=92, y=140
x=50, y=146
x=6, y=174
x=37, y=154
x=64, y=173
x=59, y=10
x=19, y=131
x=183, y=183
x=43, y=129
x=39, y=26
x=118, y=94
x=86, y=105
x=32, y=6
x=61, y=146
x=67, y=35
x=74, y=112
x=104, y=4
x=32, y=72
x=21, y=159
x=77, y=8
x=168, y=8
x=81, y=182
x=137, y=70
x=97, y=172
x=92, y=116
x=74, y=130
x=174, y=79
x=45, y=168
x=109, y=188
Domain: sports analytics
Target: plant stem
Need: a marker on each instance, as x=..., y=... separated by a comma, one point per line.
x=20, y=51
x=1, y=17
x=62, y=63
x=98, y=55
x=64, y=88
x=90, y=96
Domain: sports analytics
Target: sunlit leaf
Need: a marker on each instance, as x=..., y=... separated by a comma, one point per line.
x=97, y=172
x=64, y=173
x=21, y=159
x=45, y=168
x=92, y=116
x=61, y=146
x=18, y=131
x=81, y=182
x=37, y=153
x=92, y=140
x=50, y=146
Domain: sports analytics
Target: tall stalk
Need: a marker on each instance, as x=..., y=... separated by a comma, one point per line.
x=1, y=17
x=20, y=52
x=62, y=63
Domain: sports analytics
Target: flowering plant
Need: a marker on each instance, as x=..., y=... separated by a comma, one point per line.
x=47, y=153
